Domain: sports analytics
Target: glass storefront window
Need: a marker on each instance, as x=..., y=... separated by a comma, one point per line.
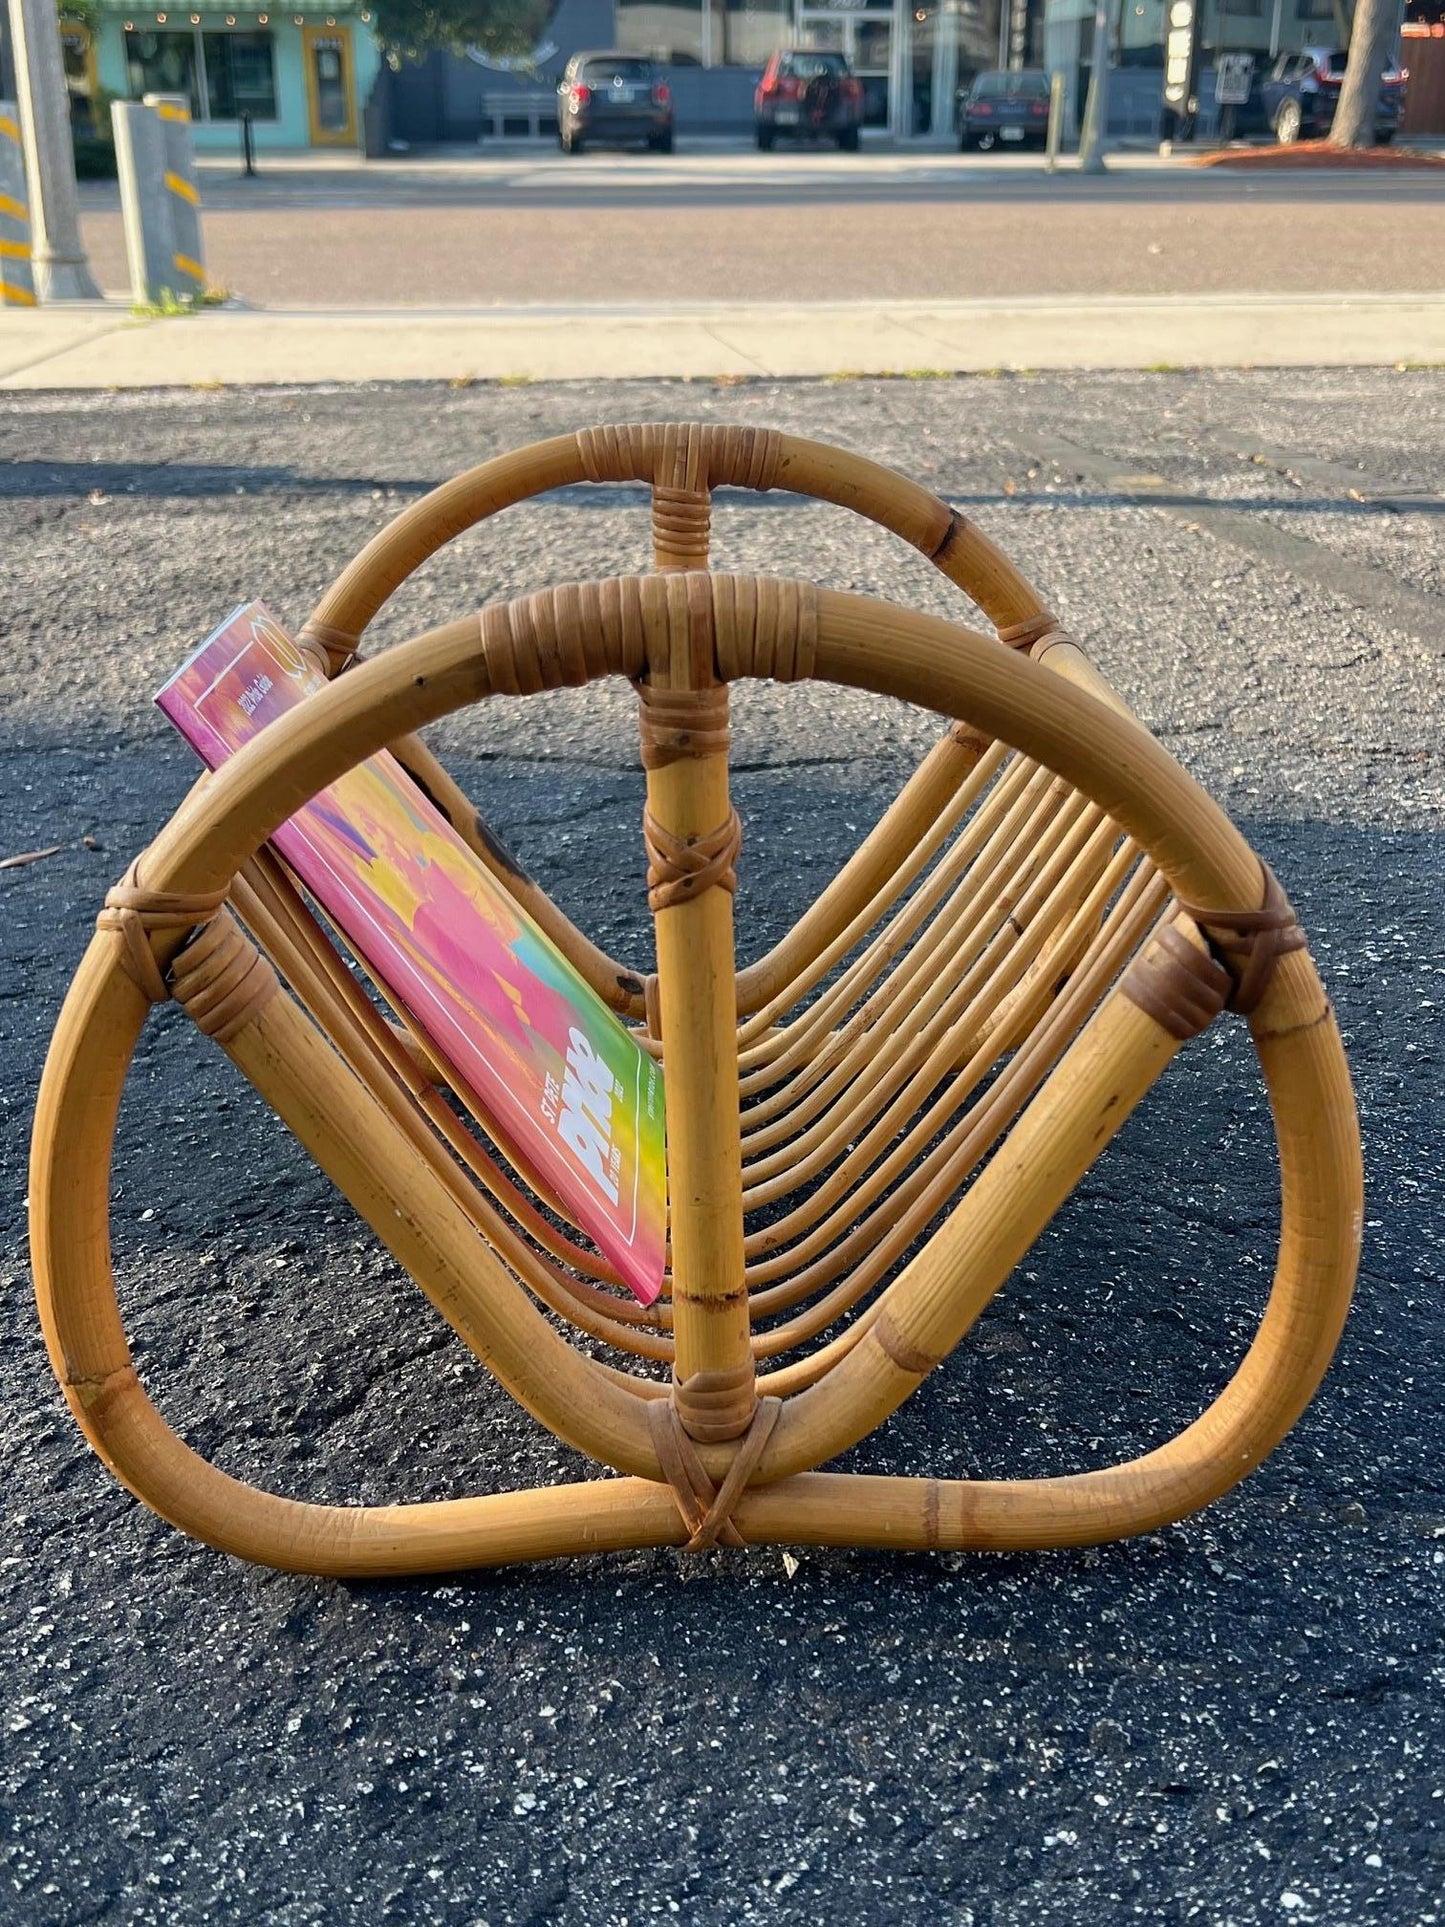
x=704, y=33
x=665, y=30
x=240, y=75
x=223, y=75
x=163, y=63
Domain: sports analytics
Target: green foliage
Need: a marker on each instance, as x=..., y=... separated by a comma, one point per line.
x=80, y=13
x=410, y=29
x=170, y=306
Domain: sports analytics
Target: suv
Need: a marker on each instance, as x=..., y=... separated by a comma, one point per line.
x=613, y=97
x=808, y=96
x=1302, y=90
x=1011, y=107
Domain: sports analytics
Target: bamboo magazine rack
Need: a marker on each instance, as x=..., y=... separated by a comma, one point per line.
x=947, y=1039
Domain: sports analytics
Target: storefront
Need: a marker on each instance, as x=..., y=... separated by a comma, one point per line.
x=303, y=74
x=910, y=56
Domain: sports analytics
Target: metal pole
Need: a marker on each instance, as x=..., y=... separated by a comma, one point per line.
x=900, y=72
x=1096, y=106
x=62, y=272
x=1056, y=123
x=945, y=71
x=248, y=148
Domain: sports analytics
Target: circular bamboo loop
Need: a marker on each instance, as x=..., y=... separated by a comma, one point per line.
x=573, y=635
x=683, y=463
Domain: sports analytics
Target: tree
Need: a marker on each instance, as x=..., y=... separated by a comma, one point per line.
x=1371, y=41
x=411, y=29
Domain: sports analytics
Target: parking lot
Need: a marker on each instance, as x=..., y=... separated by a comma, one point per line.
x=1236, y=1720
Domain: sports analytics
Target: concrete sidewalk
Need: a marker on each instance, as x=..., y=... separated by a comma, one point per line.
x=105, y=347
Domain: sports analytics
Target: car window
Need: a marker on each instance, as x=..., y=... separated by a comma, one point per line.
x=1016, y=86
x=811, y=66
x=599, y=72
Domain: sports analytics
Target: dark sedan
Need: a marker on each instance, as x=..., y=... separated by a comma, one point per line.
x=615, y=98
x=1009, y=109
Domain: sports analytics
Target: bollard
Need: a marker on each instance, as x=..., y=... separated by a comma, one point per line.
x=17, y=278
x=1055, y=135
x=188, y=254
x=145, y=203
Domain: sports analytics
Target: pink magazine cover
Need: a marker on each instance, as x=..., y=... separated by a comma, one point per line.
x=522, y=1035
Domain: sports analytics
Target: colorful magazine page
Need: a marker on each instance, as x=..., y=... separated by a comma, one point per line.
x=524, y=1039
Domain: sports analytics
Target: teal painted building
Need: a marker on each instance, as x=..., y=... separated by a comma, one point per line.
x=303, y=72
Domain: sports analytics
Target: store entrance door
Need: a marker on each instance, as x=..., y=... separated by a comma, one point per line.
x=865, y=34
x=330, y=95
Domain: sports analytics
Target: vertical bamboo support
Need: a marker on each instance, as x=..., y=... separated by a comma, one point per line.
x=692, y=841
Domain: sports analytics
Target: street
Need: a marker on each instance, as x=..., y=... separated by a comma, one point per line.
x=1235, y=1720
x=531, y=225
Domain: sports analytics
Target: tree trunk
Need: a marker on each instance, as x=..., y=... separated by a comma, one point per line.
x=1370, y=44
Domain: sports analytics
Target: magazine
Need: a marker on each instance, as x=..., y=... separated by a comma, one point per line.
x=523, y=1039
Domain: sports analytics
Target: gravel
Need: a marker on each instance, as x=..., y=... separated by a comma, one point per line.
x=1235, y=1720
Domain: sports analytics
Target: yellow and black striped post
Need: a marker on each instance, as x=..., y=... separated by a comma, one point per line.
x=188, y=254
x=17, y=277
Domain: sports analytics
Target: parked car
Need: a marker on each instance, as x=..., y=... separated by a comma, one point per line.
x=1302, y=90
x=613, y=97
x=1008, y=107
x=808, y=96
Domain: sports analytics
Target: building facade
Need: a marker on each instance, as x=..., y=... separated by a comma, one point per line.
x=306, y=73
x=910, y=58
x=911, y=55
x=302, y=72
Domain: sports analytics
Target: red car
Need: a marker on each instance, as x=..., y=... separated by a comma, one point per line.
x=808, y=96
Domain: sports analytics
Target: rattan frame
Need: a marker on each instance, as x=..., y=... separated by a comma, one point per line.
x=1026, y=928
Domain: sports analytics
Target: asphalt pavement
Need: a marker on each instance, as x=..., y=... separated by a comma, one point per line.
x=532, y=225
x=1235, y=1720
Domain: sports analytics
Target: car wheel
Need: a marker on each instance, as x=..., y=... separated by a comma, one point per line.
x=1287, y=123
x=984, y=143
x=965, y=143
x=766, y=137
x=848, y=140
x=1384, y=136
x=661, y=143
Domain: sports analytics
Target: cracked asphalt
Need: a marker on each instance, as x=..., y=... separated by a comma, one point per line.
x=1235, y=1720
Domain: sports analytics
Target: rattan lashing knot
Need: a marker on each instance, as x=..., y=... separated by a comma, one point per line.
x=1249, y=943
x=221, y=979
x=1177, y=984
x=330, y=648
x=681, y=525
x=137, y=916
x=1023, y=635
x=706, y=1508
x=675, y=724
x=1184, y=988
x=680, y=868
